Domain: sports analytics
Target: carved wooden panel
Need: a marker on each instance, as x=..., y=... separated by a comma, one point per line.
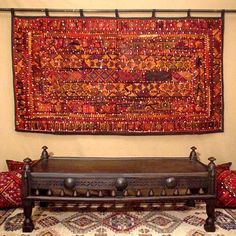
x=110, y=183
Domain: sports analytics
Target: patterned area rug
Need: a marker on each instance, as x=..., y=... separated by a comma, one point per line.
x=81, y=220
x=232, y=212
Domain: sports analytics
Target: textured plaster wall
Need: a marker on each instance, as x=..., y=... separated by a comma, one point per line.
x=16, y=145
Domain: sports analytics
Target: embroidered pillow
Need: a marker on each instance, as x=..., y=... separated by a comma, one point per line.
x=17, y=165
x=10, y=189
x=221, y=167
x=226, y=189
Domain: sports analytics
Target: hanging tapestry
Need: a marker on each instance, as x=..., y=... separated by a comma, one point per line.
x=93, y=75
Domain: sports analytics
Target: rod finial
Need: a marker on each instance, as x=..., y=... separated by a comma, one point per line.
x=193, y=154
x=44, y=154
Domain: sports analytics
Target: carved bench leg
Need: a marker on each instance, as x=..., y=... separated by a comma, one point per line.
x=191, y=202
x=210, y=221
x=28, y=225
x=43, y=192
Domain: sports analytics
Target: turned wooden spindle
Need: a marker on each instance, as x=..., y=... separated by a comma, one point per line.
x=75, y=194
x=176, y=192
x=138, y=194
x=62, y=193
x=87, y=193
x=201, y=191
x=100, y=194
x=125, y=193
x=151, y=193
x=113, y=193
x=188, y=192
x=163, y=192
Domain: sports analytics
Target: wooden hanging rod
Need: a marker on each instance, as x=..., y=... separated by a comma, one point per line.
x=119, y=10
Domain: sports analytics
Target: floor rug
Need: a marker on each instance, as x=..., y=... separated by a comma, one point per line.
x=81, y=220
x=232, y=212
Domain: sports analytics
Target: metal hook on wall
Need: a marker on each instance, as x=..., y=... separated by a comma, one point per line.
x=189, y=13
x=12, y=11
x=154, y=13
x=46, y=12
x=117, y=13
x=81, y=12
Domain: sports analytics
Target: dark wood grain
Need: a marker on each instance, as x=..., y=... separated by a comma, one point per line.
x=121, y=165
x=127, y=180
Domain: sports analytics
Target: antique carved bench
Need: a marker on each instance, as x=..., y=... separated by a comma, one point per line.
x=126, y=180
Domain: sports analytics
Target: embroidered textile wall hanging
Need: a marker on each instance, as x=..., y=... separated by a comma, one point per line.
x=102, y=75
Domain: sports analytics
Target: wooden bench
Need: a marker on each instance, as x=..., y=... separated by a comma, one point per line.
x=127, y=180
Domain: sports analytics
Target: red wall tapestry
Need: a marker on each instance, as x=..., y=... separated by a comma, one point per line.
x=118, y=75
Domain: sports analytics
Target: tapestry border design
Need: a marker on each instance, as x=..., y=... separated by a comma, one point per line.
x=117, y=132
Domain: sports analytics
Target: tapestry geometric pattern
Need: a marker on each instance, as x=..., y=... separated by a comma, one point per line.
x=104, y=75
